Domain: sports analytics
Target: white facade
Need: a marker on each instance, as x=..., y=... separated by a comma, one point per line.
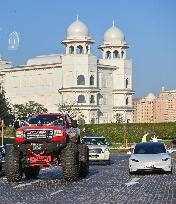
x=101, y=88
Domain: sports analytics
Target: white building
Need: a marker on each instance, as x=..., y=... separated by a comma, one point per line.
x=101, y=88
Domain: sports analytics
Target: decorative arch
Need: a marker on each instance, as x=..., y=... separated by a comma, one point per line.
x=91, y=80
x=81, y=80
x=108, y=55
x=79, y=50
x=115, y=54
x=81, y=99
x=71, y=50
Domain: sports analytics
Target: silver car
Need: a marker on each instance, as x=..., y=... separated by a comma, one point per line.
x=98, y=148
x=150, y=156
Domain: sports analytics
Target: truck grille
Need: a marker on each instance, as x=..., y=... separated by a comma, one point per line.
x=38, y=134
x=98, y=150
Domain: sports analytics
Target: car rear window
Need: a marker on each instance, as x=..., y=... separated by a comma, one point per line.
x=149, y=148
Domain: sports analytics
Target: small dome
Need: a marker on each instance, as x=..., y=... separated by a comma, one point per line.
x=77, y=29
x=113, y=34
x=150, y=96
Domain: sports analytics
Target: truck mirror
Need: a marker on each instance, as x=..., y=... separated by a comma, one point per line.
x=16, y=124
x=74, y=124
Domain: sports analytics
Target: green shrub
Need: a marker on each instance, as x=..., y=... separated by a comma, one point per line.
x=115, y=132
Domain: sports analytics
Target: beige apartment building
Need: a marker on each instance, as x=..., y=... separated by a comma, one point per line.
x=161, y=108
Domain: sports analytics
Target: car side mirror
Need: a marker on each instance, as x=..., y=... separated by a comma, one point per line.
x=74, y=124
x=16, y=124
x=109, y=143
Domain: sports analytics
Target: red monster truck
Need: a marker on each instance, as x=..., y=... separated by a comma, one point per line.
x=43, y=140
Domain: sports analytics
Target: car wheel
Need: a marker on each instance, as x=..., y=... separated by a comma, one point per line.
x=131, y=172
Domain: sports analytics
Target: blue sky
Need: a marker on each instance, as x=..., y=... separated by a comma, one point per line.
x=149, y=27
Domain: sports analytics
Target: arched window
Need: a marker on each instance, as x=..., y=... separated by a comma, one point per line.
x=81, y=121
x=108, y=55
x=126, y=83
x=91, y=80
x=79, y=50
x=71, y=50
x=127, y=101
x=81, y=99
x=115, y=54
x=92, y=99
x=81, y=80
x=87, y=49
x=92, y=121
x=122, y=53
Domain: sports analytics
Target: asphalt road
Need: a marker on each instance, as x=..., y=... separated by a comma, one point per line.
x=105, y=184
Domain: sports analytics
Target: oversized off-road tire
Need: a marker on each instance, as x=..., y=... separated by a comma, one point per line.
x=12, y=167
x=31, y=171
x=83, y=160
x=70, y=162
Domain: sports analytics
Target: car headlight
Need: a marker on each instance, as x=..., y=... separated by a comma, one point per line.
x=58, y=133
x=19, y=134
x=135, y=160
x=165, y=159
x=105, y=150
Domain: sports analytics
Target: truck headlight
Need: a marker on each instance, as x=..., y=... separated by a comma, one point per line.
x=165, y=159
x=135, y=160
x=19, y=134
x=58, y=133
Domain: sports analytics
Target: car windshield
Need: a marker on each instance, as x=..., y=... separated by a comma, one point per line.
x=94, y=141
x=45, y=119
x=149, y=148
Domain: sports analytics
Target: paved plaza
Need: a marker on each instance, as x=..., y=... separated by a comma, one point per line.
x=106, y=184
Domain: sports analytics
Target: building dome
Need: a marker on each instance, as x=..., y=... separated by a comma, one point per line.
x=77, y=29
x=113, y=34
x=150, y=96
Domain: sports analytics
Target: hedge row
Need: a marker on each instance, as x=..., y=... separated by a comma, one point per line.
x=116, y=132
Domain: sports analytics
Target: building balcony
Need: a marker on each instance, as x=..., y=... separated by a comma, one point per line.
x=80, y=89
x=123, y=91
x=123, y=108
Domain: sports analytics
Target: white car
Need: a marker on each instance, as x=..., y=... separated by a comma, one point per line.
x=150, y=156
x=98, y=148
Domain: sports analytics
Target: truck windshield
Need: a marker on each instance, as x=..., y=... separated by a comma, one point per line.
x=94, y=141
x=45, y=119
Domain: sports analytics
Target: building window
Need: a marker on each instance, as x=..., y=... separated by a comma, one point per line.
x=81, y=121
x=71, y=50
x=92, y=121
x=87, y=49
x=127, y=101
x=79, y=50
x=126, y=83
x=108, y=55
x=122, y=53
x=91, y=80
x=81, y=80
x=115, y=54
x=92, y=99
x=81, y=99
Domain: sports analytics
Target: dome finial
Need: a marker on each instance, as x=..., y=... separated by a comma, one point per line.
x=77, y=17
x=113, y=23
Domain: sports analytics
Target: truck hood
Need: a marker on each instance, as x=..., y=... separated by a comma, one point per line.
x=46, y=127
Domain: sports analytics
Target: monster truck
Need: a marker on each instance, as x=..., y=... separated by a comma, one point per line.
x=45, y=140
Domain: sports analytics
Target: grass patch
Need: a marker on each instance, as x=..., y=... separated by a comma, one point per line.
x=7, y=140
